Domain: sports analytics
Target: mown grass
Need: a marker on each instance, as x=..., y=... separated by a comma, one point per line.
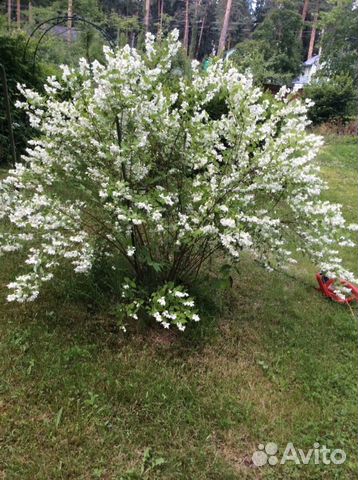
x=273, y=361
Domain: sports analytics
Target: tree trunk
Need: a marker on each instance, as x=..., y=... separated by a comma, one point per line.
x=186, y=27
x=161, y=14
x=201, y=34
x=132, y=39
x=160, y=17
x=18, y=13
x=194, y=32
x=313, y=33
x=320, y=42
x=225, y=27
x=146, y=15
x=9, y=8
x=30, y=12
x=69, y=21
x=303, y=16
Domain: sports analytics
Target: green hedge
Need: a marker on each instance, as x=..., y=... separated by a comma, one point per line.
x=335, y=99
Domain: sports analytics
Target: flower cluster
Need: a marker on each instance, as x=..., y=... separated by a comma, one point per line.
x=131, y=301
x=130, y=156
x=169, y=305
x=172, y=305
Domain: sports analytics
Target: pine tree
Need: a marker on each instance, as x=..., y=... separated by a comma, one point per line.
x=224, y=28
x=313, y=32
x=146, y=15
x=186, y=27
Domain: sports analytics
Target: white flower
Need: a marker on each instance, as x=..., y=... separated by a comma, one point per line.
x=196, y=318
x=189, y=303
x=162, y=301
x=156, y=216
x=228, y=222
x=157, y=316
x=130, y=251
x=223, y=208
x=181, y=327
x=179, y=294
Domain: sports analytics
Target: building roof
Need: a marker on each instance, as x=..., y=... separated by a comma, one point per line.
x=311, y=61
x=228, y=53
x=305, y=77
x=61, y=31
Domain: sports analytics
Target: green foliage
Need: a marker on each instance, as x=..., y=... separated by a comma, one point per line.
x=150, y=462
x=181, y=65
x=335, y=99
x=53, y=50
x=3, y=23
x=274, y=54
x=281, y=47
x=217, y=106
x=124, y=28
x=91, y=9
x=340, y=40
x=86, y=40
x=251, y=56
x=18, y=70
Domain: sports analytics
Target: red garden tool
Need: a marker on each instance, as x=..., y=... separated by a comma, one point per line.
x=326, y=285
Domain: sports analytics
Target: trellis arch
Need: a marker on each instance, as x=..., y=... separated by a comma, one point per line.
x=59, y=20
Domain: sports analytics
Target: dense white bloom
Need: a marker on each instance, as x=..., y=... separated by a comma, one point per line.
x=228, y=222
x=132, y=156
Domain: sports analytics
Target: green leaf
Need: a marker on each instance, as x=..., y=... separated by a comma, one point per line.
x=58, y=417
x=223, y=283
x=158, y=267
x=158, y=461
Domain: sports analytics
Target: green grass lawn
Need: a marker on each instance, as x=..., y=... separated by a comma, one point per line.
x=272, y=361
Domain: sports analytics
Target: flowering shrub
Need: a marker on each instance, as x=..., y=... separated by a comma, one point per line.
x=130, y=163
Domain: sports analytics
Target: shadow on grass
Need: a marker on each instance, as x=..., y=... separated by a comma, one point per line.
x=84, y=307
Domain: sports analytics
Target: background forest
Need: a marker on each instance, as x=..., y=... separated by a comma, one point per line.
x=271, y=38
